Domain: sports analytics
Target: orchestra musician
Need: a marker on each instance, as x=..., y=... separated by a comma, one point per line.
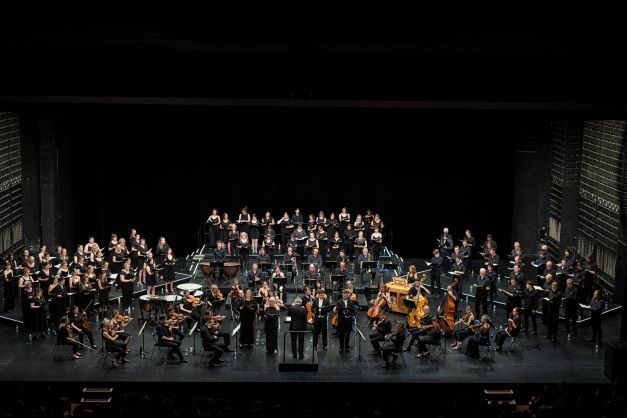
x=466, y=322
x=66, y=336
x=341, y=270
x=512, y=330
x=291, y=257
x=113, y=342
x=417, y=331
x=320, y=307
x=209, y=337
x=481, y=337
x=315, y=258
x=190, y=307
x=254, y=276
x=80, y=325
x=345, y=309
x=165, y=339
x=432, y=337
x=380, y=303
x=381, y=328
x=397, y=339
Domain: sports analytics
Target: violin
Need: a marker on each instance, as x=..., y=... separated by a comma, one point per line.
x=122, y=318
x=310, y=313
x=86, y=323
x=217, y=294
x=192, y=299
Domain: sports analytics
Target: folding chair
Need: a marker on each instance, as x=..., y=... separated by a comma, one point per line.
x=158, y=347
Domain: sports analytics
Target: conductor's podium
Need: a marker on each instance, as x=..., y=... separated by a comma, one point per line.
x=398, y=289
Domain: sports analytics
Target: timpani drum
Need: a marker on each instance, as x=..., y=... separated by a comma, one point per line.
x=170, y=300
x=148, y=303
x=207, y=269
x=231, y=269
x=190, y=287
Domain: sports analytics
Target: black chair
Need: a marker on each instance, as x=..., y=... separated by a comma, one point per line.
x=66, y=347
x=437, y=345
x=159, y=348
x=486, y=345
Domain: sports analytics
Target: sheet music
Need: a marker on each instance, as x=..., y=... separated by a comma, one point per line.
x=113, y=276
x=538, y=288
x=584, y=306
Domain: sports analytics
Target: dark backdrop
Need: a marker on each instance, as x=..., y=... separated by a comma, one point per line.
x=160, y=170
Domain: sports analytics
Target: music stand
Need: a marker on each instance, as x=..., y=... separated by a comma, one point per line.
x=259, y=300
x=142, y=350
x=358, y=331
x=369, y=265
x=191, y=332
x=339, y=278
x=234, y=333
x=331, y=264
x=265, y=266
x=409, y=304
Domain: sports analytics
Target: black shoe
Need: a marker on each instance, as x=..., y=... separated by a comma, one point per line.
x=394, y=357
x=348, y=350
x=534, y=333
x=300, y=357
x=385, y=366
x=315, y=348
x=341, y=351
x=565, y=330
x=294, y=356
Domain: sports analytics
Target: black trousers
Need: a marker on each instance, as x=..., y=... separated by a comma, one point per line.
x=375, y=340
x=74, y=346
x=216, y=348
x=415, y=335
x=89, y=334
x=345, y=327
x=431, y=340
x=388, y=350
x=553, y=321
x=127, y=295
x=500, y=338
x=320, y=327
x=492, y=292
x=461, y=334
x=117, y=348
x=300, y=336
x=435, y=281
x=526, y=314
x=595, y=321
x=570, y=312
x=481, y=301
x=174, y=347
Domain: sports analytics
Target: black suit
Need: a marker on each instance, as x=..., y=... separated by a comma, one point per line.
x=163, y=331
x=345, y=310
x=320, y=321
x=251, y=276
x=210, y=343
x=383, y=329
x=298, y=322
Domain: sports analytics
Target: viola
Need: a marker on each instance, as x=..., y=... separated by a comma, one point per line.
x=310, y=313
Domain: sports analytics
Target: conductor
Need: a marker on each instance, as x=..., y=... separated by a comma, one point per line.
x=298, y=314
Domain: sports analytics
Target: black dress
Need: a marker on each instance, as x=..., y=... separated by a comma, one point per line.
x=254, y=230
x=38, y=316
x=271, y=327
x=168, y=270
x=103, y=295
x=248, y=315
x=9, y=292
x=244, y=226
x=224, y=232
x=26, y=297
x=214, y=231
x=151, y=277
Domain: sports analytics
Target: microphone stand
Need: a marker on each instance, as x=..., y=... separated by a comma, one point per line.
x=142, y=350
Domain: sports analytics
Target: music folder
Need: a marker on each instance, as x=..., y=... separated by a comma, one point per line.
x=538, y=288
x=368, y=264
x=330, y=263
x=428, y=263
x=409, y=303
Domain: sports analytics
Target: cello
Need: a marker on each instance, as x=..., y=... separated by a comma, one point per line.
x=377, y=304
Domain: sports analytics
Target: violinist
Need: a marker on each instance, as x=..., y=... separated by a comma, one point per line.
x=397, y=338
x=381, y=328
x=174, y=321
x=113, y=342
x=210, y=340
x=66, y=336
x=165, y=339
x=432, y=337
x=80, y=325
x=481, y=337
x=416, y=332
x=118, y=322
x=346, y=310
x=234, y=289
x=189, y=307
x=214, y=294
x=466, y=322
x=320, y=307
x=512, y=330
x=86, y=294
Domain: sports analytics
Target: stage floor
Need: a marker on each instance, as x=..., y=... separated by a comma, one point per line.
x=533, y=360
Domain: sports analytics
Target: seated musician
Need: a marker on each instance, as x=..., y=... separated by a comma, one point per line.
x=311, y=276
x=264, y=291
x=208, y=334
x=290, y=258
x=76, y=322
x=417, y=287
x=432, y=337
x=214, y=294
x=381, y=328
x=190, y=307
x=226, y=336
x=397, y=339
x=467, y=321
x=365, y=256
x=119, y=322
x=66, y=337
x=176, y=322
x=481, y=337
x=417, y=331
x=512, y=330
x=113, y=342
x=165, y=339
x=254, y=276
x=307, y=296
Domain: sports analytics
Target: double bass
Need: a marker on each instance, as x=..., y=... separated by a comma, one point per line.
x=448, y=311
x=414, y=317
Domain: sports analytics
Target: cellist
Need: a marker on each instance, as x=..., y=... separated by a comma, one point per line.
x=379, y=304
